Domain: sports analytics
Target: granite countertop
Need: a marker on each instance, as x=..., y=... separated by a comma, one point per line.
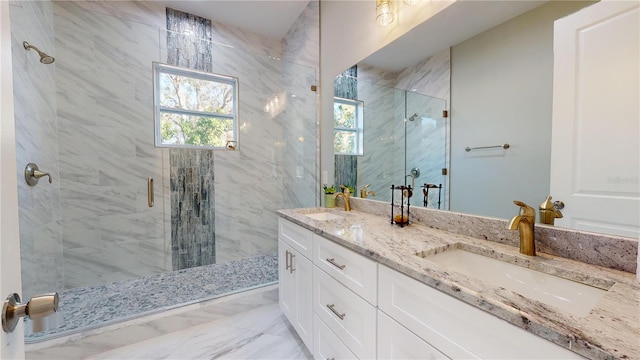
x=611, y=330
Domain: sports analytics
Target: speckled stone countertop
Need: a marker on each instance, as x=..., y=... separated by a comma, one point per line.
x=611, y=330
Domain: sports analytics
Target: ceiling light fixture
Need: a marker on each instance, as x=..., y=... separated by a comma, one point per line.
x=384, y=12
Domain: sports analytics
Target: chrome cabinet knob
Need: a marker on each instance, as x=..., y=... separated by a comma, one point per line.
x=38, y=307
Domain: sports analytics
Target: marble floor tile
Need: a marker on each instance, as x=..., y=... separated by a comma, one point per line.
x=262, y=333
x=241, y=326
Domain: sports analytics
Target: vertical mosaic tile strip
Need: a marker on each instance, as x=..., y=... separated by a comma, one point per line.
x=191, y=170
x=192, y=208
x=346, y=84
x=188, y=40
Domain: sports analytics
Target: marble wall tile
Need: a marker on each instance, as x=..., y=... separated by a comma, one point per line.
x=382, y=164
x=430, y=76
x=245, y=41
x=146, y=12
x=37, y=141
x=300, y=137
x=301, y=44
x=301, y=48
x=106, y=143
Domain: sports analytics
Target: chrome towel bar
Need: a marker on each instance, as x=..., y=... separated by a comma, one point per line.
x=504, y=146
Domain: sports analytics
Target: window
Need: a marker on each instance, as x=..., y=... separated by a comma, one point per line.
x=348, y=118
x=194, y=109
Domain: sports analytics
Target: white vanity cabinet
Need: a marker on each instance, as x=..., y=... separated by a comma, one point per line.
x=344, y=306
x=396, y=342
x=295, y=273
x=345, y=287
x=456, y=329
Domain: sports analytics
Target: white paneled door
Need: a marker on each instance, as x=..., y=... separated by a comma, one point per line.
x=595, y=157
x=12, y=346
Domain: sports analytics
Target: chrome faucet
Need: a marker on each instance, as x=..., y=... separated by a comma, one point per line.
x=549, y=211
x=346, y=197
x=524, y=224
x=364, y=193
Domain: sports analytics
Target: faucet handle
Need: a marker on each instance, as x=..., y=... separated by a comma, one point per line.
x=546, y=204
x=526, y=210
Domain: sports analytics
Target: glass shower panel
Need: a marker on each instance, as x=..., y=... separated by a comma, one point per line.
x=106, y=148
x=383, y=140
x=426, y=141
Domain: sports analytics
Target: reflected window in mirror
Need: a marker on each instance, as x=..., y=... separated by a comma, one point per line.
x=194, y=109
x=348, y=116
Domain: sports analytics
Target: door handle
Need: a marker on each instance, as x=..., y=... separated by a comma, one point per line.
x=150, y=195
x=38, y=307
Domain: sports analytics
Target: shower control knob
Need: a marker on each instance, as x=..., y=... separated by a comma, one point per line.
x=38, y=307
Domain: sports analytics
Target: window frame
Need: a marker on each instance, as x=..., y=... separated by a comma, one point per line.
x=160, y=68
x=359, y=125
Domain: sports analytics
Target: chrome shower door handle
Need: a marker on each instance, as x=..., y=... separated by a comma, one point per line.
x=150, y=195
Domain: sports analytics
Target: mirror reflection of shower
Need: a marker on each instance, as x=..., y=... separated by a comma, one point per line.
x=44, y=57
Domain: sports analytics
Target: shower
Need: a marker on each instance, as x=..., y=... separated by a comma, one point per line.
x=113, y=240
x=44, y=58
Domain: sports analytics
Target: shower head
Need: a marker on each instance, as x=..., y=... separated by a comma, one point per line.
x=413, y=117
x=44, y=58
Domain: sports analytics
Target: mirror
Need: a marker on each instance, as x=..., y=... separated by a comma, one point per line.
x=404, y=138
x=501, y=87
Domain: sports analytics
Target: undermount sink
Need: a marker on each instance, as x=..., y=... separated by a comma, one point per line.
x=567, y=295
x=324, y=216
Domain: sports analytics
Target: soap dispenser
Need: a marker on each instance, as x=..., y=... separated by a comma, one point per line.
x=549, y=212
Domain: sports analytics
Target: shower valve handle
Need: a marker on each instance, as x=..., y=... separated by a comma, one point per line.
x=32, y=174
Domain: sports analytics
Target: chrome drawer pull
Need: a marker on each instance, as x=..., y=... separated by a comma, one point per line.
x=291, y=269
x=333, y=309
x=333, y=262
x=331, y=358
x=286, y=261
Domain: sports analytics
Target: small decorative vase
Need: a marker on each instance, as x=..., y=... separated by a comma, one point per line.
x=329, y=200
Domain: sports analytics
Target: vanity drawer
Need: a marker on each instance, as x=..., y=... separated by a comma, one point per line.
x=349, y=316
x=455, y=328
x=348, y=267
x=396, y=342
x=326, y=343
x=299, y=238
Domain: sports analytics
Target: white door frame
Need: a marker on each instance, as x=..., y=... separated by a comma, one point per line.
x=12, y=345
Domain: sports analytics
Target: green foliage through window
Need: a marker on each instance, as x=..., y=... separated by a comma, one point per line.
x=194, y=109
x=348, y=118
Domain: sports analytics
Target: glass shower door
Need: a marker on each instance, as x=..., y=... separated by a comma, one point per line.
x=425, y=154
